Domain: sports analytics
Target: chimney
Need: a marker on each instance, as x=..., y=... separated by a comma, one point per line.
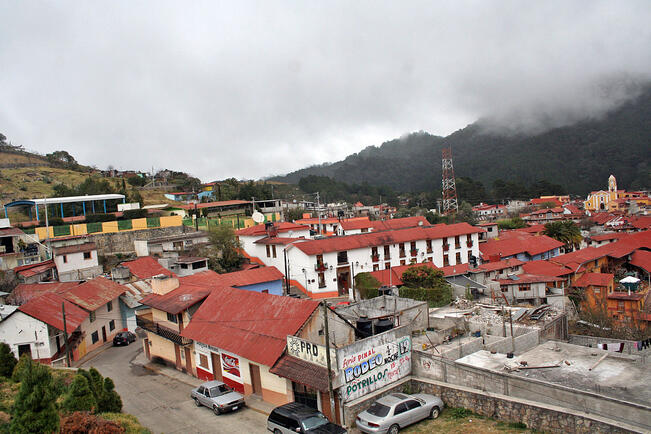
x=162, y=284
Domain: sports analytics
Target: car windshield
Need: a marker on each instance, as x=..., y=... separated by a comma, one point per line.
x=219, y=390
x=378, y=409
x=314, y=422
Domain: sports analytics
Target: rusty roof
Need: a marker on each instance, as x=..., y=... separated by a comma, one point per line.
x=94, y=293
x=11, y=231
x=34, y=269
x=247, y=323
x=75, y=248
x=24, y=292
x=302, y=372
x=594, y=279
x=212, y=204
x=47, y=308
x=146, y=267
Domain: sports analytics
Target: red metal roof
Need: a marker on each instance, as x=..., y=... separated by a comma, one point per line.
x=34, y=269
x=146, y=267
x=546, y=268
x=75, y=248
x=24, y=292
x=249, y=324
x=6, y=232
x=214, y=204
x=528, y=278
x=47, y=308
x=574, y=259
x=519, y=243
x=278, y=226
x=608, y=236
x=94, y=293
x=358, y=241
x=627, y=245
x=539, y=201
x=594, y=279
x=249, y=277
x=642, y=259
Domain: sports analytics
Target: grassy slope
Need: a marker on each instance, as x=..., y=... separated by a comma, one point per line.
x=447, y=423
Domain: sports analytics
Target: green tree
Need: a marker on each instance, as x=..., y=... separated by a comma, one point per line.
x=465, y=214
x=7, y=360
x=223, y=253
x=513, y=223
x=80, y=396
x=566, y=231
x=34, y=408
x=422, y=276
x=21, y=367
x=294, y=214
x=109, y=400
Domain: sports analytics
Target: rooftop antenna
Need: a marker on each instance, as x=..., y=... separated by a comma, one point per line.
x=450, y=203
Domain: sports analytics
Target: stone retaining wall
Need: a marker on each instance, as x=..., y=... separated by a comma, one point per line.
x=122, y=242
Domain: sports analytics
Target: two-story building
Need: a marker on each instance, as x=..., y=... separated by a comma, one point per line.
x=18, y=248
x=528, y=288
x=520, y=245
x=77, y=262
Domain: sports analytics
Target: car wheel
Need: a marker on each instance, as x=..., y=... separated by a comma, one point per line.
x=393, y=429
x=277, y=431
x=196, y=402
x=434, y=413
x=216, y=410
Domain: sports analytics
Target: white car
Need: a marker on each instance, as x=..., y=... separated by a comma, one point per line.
x=392, y=412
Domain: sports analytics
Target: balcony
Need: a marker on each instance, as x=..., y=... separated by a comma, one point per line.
x=469, y=243
x=162, y=331
x=375, y=257
x=320, y=266
x=414, y=252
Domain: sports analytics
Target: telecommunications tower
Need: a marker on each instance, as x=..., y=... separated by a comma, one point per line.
x=450, y=204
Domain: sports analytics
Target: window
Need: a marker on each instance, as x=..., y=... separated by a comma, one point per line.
x=111, y=325
x=109, y=306
x=457, y=242
x=403, y=262
x=273, y=251
x=387, y=255
x=95, y=337
x=387, y=265
x=524, y=287
x=597, y=290
x=411, y=404
x=446, y=261
x=172, y=318
x=265, y=291
x=268, y=251
x=65, y=259
x=620, y=306
x=401, y=247
x=342, y=257
x=376, y=267
x=184, y=266
x=429, y=246
x=458, y=257
x=400, y=408
x=504, y=288
x=91, y=316
x=87, y=255
x=203, y=360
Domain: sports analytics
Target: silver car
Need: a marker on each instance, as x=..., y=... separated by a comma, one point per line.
x=392, y=412
x=218, y=396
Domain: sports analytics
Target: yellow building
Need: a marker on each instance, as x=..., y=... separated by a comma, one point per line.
x=599, y=200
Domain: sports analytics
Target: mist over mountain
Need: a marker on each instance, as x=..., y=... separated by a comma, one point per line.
x=579, y=157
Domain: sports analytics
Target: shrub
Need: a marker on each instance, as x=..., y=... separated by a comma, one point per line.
x=21, y=367
x=128, y=422
x=460, y=412
x=98, y=218
x=134, y=214
x=7, y=360
x=434, y=297
x=34, y=410
x=81, y=423
x=109, y=400
x=80, y=397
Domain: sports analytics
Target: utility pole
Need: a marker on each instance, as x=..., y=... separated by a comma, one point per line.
x=328, y=361
x=47, y=228
x=318, y=210
x=512, y=338
x=65, y=332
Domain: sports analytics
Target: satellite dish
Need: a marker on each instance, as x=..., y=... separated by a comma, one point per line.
x=257, y=217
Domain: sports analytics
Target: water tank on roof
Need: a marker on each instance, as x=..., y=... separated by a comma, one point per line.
x=364, y=327
x=382, y=325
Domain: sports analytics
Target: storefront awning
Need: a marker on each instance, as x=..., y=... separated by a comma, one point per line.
x=302, y=372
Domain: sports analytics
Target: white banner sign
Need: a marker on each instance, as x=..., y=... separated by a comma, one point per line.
x=311, y=352
x=374, y=366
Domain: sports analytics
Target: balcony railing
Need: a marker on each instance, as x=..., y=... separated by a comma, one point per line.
x=162, y=331
x=321, y=266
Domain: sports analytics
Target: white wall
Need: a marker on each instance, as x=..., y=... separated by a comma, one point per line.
x=21, y=329
x=75, y=261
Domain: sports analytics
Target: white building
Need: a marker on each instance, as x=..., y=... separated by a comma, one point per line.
x=77, y=262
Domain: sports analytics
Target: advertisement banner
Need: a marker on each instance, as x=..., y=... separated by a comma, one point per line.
x=231, y=365
x=373, y=363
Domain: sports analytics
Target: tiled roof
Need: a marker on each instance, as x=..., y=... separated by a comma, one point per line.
x=394, y=275
x=400, y=223
x=75, y=248
x=249, y=324
x=349, y=225
x=594, y=279
x=5, y=232
x=641, y=222
x=608, y=236
x=528, y=278
x=213, y=204
x=146, y=267
x=358, y=241
x=627, y=244
x=94, y=293
x=500, y=265
x=250, y=277
x=519, y=243
x=546, y=268
x=622, y=295
x=277, y=240
x=278, y=226
x=642, y=259
x=24, y=292
x=302, y=372
x=47, y=308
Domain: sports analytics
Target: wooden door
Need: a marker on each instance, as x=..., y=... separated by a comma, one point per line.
x=146, y=344
x=216, y=367
x=103, y=334
x=188, y=360
x=177, y=353
x=256, y=383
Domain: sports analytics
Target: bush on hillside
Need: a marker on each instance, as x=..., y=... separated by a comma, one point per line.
x=79, y=397
x=7, y=360
x=34, y=408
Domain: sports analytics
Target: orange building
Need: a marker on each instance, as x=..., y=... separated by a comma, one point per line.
x=596, y=287
x=627, y=308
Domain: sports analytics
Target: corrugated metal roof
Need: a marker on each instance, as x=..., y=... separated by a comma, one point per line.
x=250, y=277
x=546, y=268
x=528, y=278
x=146, y=267
x=6, y=232
x=358, y=241
x=24, y=292
x=34, y=269
x=249, y=324
x=136, y=291
x=47, y=308
x=94, y=293
x=400, y=223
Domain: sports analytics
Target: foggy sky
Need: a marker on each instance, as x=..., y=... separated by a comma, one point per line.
x=251, y=89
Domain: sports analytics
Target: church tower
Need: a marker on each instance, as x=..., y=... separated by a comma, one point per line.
x=612, y=183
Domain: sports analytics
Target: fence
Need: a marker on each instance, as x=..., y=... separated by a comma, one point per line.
x=242, y=222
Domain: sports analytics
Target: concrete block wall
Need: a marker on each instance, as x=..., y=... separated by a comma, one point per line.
x=522, y=343
x=123, y=242
x=591, y=341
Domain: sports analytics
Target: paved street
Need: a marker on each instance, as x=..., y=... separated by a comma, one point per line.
x=162, y=404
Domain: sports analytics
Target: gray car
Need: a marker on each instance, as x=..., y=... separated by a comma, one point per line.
x=217, y=396
x=392, y=412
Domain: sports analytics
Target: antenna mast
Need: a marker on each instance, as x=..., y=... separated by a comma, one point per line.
x=450, y=204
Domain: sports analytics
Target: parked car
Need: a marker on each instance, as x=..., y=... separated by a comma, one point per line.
x=392, y=412
x=123, y=338
x=296, y=417
x=217, y=396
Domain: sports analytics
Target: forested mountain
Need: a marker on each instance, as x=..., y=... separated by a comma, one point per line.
x=579, y=157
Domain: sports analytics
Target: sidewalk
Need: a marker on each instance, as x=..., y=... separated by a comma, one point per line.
x=254, y=402
x=90, y=356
